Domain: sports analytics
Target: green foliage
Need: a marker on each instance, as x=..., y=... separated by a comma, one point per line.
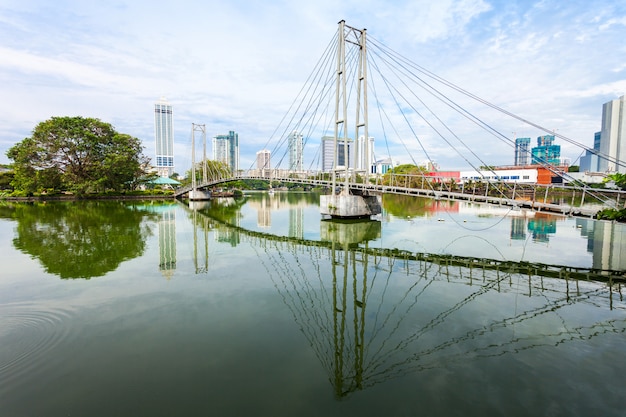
x=573, y=168
x=413, y=176
x=618, y=179
x=409, y=169
x=78, y=154
x=5, y=180
x=612, y=214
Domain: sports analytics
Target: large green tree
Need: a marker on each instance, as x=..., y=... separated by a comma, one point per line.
x=78, y=154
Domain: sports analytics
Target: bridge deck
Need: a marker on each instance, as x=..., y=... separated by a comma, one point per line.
x=520, y=202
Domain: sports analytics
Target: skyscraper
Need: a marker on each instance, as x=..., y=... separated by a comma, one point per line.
x=522, y=151
x=296, y=145
x=546, y=152
x=328, y=153
x=226, y=149
x=263, y=161
x=164, y=137
x=365, y=151
x=613, y=136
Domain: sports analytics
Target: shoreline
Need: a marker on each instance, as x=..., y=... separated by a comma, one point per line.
x=75, y=198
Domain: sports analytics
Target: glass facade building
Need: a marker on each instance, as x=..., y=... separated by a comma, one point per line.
x=296, y=150
x=328, y=153
x=226, y=149
x=546, y=152
x=590, y=162
x=522, y=151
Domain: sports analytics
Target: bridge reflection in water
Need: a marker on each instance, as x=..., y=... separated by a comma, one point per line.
x=372, y=315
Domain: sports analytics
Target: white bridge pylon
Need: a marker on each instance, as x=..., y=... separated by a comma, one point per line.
x=344, y=204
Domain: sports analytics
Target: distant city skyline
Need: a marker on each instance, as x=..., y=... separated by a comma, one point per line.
x=63, y=59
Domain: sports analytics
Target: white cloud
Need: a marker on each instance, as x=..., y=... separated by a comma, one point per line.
x=238, y=65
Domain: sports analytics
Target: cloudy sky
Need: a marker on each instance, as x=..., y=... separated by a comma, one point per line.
x=238, y=65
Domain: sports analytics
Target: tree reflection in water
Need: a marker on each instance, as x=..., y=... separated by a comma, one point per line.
x=80, y=239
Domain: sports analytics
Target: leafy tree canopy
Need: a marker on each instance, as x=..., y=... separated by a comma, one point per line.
x=407, y=169
x=618, y=179
x=77, y=154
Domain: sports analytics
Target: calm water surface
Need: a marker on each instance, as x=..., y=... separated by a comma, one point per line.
x=257, y=307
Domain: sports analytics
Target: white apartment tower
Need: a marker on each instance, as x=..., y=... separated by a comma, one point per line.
x=613, y=136
x=296, y=145
x=365, y=152
x=164, y=137
x=263, y=160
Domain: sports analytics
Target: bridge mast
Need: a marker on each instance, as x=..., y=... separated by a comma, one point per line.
x=341, y=107
x=346, y=205
x=362, y=93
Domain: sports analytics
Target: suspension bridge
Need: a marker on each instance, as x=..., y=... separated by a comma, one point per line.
x=426, y=116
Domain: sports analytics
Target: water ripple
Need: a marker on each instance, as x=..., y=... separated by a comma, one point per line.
x=28, y=332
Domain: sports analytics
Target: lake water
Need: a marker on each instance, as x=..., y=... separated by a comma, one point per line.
x=256, y=307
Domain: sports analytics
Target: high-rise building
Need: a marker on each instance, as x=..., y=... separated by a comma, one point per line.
x=263, y=160
x=328, y=153
x=613, y=136
x=365, y=152
x=522, y=151
x=164, y=137
x=546, y=152
x=226, y=149
x=296, y=149
x=590, y=161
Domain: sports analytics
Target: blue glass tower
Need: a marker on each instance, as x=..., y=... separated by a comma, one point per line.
x=546, y=152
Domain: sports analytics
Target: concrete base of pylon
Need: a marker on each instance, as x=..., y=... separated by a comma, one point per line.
x=199, y=195
x=348, y=206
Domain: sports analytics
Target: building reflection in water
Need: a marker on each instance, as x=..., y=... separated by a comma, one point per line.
x=518, y=228
x=264, y=206
x=296, y=221
x=541, y=226
x=167, y=243
x=606, y=241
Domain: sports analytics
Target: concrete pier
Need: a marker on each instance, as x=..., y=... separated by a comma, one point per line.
x=349, y=206
x=199, y=195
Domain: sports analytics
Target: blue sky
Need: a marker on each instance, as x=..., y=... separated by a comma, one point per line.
x=238, y=65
